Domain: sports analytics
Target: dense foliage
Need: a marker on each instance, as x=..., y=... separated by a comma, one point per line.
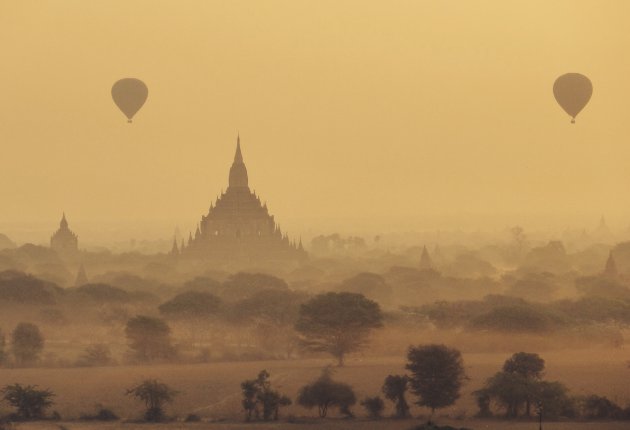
x=338, y=323
x=149, y=339
x=325, y=393
x=437, y=374
x=155, y=396
x=29, y=402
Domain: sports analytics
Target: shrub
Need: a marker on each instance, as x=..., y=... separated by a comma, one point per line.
x=30, y=403
x=598, y=407
x=155, y=396
x=102, y=414
x=394, y=389
x=374, y=406
x=192, y=418
x=257, y=393
x=326, y=393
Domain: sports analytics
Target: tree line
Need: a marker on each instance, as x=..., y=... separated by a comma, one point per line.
x=435, y=376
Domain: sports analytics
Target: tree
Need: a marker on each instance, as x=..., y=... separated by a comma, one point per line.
x=519, y=385
x=155, y=396
x=3, y=354
x=271, y=314
x=18, y=287
x=437, y=374
x=30, y=403
x=483, y=403
x=509, y=390
x=555, y=400
x=97, y=354
x=149, y=338
x=102, y=293
x=529, y=366
x=338, y=323
x=598, y=407
x=257, y=392
x=27, y=343
x=249, y=402
x=326, y=393
x=374, y=406
x=191, y=305
x=394, y=389
x=517, y=318
x=242, y=285
x=370, y=285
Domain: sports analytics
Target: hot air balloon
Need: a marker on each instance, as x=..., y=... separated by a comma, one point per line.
x=572, y=92
x=129, y=94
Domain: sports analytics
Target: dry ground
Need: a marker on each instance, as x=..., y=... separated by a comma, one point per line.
x=212, y=390
x=326, y=425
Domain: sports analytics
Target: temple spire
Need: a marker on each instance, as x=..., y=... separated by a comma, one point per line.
x=425, y=259
x=63, y=224
x=175, y=249
x=238, y=156
x=611, y=267
x=238, y=171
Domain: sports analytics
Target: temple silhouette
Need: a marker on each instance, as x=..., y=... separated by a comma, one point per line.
x=238, y=227
x=64, y=241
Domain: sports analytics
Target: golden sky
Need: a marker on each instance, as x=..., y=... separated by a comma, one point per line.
x=381, y=114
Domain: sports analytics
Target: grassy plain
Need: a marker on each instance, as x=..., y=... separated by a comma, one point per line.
x=326, y=425
x=212, y=390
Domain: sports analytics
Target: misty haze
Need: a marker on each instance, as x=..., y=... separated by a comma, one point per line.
x=405, y=215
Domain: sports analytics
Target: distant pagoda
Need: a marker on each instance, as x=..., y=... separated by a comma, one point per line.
x=82, y=278
x=610, y=270
x=64, y=241
x=425, y=260
x=239, y=228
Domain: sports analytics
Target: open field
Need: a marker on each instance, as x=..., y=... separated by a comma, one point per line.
x=212, y=390
x=326, y=425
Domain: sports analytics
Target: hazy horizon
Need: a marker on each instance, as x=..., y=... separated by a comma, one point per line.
x=354, y=117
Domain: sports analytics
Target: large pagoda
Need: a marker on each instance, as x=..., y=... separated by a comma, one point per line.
x=64, y=241
x=238, y=227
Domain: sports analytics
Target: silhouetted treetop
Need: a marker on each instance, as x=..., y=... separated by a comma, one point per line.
x=437, y=374
x=370, y=285
x=270, y=306
x=243, y=285
x=101, y=293
x=338, y=323
x=529, y=365
x=191, y=304
x=22, y=288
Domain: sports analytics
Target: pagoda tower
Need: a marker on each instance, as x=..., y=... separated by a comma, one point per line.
x=611, y=267
x=238, y=226
x=82, y=278
x=64, y=241
x=425, y=260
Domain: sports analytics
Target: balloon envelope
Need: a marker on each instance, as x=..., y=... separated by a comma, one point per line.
x=129, y=94
x=572, y=92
